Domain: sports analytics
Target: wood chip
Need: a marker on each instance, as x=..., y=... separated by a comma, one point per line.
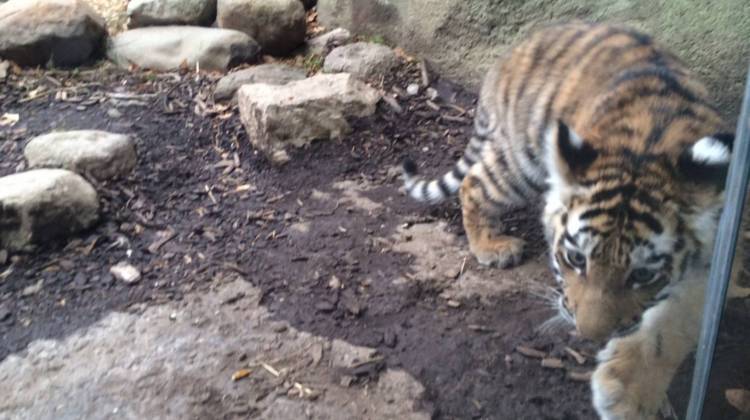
x=305, y=392
x=580, y=359
x=424, y=72
x=480, y=328
x=580, y=376
x=393, y=103
x=453, y=303
x=240, y=374
x=739, y=399
x=531, y=352
x=432, y=105
x=460, y=120
x=552, y=363
x=270, y=369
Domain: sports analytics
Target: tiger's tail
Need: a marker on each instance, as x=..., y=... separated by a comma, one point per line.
x=437, y=190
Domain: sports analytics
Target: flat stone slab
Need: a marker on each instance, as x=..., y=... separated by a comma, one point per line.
x=168, y=47
x=44, y=204
x=278, y=25
x=295, y=114
x=63, y=33
x=177, y=361
x=101, y=154
x=362, y=59
x=272, y=74
x=171, y=12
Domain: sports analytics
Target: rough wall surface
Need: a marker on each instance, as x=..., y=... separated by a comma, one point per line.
x=461, y=38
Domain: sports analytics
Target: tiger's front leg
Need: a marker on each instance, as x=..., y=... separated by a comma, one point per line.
x=635, y=371
x=481, y=226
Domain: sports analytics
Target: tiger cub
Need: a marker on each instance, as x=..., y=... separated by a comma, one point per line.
x=630, y=157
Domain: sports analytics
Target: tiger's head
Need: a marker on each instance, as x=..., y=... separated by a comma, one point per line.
x=624, y=223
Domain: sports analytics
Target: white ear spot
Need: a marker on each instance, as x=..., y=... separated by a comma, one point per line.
x=550, y=137
x=576, y=141
x=711, y=151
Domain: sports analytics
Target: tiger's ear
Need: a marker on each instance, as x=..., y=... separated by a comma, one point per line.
x=706, y=162
x=568, y=155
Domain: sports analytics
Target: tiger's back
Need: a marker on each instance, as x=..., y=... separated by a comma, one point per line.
x=612, y=86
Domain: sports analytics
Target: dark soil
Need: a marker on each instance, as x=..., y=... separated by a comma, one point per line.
x=230, y=210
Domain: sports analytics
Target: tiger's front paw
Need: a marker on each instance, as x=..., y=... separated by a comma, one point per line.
x=502, y=251
x=628, y=383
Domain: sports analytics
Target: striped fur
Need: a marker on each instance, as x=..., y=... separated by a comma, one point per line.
x=621, y=144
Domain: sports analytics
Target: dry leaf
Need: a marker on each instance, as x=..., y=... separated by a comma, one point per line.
x=240, y=374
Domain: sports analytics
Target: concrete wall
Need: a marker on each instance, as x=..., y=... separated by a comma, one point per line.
x=460, y=38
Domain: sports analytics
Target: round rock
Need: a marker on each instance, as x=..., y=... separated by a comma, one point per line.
x=361, y=59
x=171, y=12
x=99, y=153
x=278, y=25
x=169, y=47
x=44, y=204
x=61, y=32
x=272, y=74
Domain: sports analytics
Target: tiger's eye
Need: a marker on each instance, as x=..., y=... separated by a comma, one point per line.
x=576, y=258
x=641, y=276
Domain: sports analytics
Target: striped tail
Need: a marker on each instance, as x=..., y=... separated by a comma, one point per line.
x=437, y=190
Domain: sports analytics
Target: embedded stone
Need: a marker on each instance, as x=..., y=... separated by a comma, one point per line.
x=44, y=204
x=101, y=154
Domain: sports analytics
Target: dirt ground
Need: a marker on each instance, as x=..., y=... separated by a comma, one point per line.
x=329, y=241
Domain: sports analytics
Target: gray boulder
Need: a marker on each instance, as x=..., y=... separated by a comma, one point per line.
x=44, y=204
x=362, y=59
x=99, y=153
x=295, y=114
x=168, y=47
x=62, y=33
x=171, y=12
x=272, y=74
x=278, y=25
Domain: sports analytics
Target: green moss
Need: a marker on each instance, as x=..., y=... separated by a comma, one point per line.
x=313, y=63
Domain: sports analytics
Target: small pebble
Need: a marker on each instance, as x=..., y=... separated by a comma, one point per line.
x=279, y=328
x=334, y=282
x=125, y=272
x=432, y=93
x=114, y=113
x=412, y=89
x=33, y=289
